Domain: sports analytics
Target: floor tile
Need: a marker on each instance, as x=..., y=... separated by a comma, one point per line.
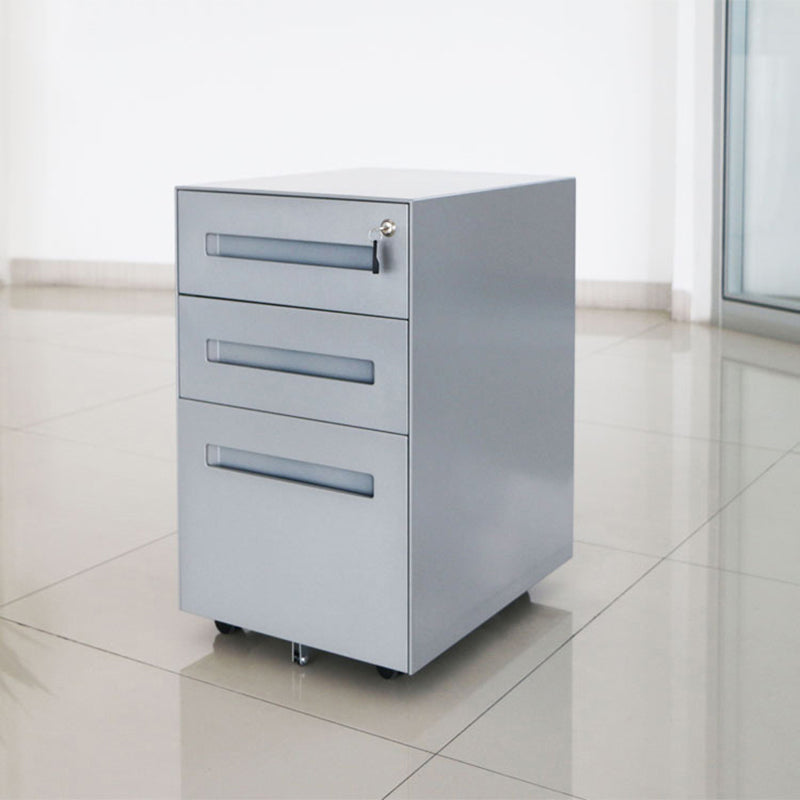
x=759, y=532
x=26, y=316
x=67, y=506
x=596, y=329
x=139, y=615
x=444, y=779
x=686, y=687
x=41, y=381
x=139, y=618
x=143, y=424
x=50, y=313
x=709, y=344
x=647, y=492
x=76, y=722
x=151, y=336
x=711, y=398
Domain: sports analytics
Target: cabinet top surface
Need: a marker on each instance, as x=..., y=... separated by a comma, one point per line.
x=399, y=185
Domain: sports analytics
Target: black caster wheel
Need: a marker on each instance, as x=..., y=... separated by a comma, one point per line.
x=226, y=628
x=386, y=673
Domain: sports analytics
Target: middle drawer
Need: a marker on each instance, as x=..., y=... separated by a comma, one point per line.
x=320, y=365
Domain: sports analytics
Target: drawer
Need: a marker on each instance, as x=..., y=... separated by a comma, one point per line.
x=296, y=529
x=295, y=251
x=340, y=368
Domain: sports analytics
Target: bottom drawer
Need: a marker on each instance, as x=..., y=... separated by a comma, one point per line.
x=294, y=528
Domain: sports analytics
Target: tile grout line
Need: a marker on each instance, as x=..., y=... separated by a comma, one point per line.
x=123, y=353
x=624, y=339
x=730, y=571
x=408, y=777
x=86, y=443
x=482, y=769
x=58, y=345
x=673, y=435
x=547, y=658
x=658, y=563
x=276, y=704
x=27, y=428
x=9, y=429
x=211, y=684
x=82, y=572
x=615, y=548
x=736, y=496
x=513, y=777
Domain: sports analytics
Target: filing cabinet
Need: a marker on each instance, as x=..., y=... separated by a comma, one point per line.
x=375, y=411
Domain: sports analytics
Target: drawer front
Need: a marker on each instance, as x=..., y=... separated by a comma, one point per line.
x=340, y=368
x=296, y=529
x=294, y=251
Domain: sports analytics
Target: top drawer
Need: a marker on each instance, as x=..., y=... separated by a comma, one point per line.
x=294, y=251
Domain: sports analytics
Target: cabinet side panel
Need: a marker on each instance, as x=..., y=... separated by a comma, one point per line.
x=492, y=396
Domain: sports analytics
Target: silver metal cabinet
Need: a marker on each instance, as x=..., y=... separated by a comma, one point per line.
x=376, y=404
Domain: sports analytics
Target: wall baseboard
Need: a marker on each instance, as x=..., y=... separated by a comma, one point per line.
x=641, y=295
x=681, y=305
x=99, y=274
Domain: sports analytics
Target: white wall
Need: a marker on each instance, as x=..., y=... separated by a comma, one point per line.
x=4, y=130
x=697, y=112
x=116, y=101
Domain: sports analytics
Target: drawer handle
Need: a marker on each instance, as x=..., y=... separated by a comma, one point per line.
x=294, y=251
x=287, y=469
x=297, y=362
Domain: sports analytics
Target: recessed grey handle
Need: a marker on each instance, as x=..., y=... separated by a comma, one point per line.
x=288, y=469
x=293, y=251
x=297, y=362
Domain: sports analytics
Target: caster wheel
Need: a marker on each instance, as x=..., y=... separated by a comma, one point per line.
x=301, y=654
x=226, y=628
x=386, y=673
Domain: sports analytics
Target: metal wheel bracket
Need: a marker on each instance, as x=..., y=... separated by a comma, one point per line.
x=301, y=654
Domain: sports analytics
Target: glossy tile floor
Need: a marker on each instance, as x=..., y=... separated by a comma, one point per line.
x=662, y=661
